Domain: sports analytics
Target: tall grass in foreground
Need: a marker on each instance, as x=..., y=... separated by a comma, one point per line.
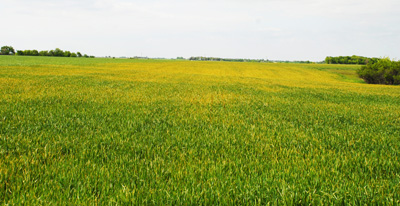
x=99, y=131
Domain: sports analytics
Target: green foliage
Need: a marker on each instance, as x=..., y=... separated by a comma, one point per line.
x=7, y=50
x=35, y=53
x=243, y=60
x=56, y=53
x=383, y=71
x=44, y=53
x=67, y=54
x=350, y=60
x=20, y=52
x=224, y=59
x=28, y=53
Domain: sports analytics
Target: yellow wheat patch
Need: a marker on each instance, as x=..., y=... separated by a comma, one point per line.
x=31, y=82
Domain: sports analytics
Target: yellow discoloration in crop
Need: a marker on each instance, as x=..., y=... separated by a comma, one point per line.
x=264, y=76
x=84, y=131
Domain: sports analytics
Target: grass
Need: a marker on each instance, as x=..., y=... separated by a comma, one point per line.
x=111, y=131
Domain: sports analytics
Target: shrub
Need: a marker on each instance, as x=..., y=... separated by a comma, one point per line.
x=384, y=71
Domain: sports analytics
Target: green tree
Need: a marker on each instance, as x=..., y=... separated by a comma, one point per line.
x=79, y=54
x=328, y=60
x=43, y=53
x=7, y=50
x=383, y=71
x=35, y=52
x=27, y=52
x=67, y=54
x=58, y=52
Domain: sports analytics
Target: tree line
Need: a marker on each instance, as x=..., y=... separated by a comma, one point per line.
x=9, y=50
x=245, y=60
x=384, y=71
x=225, y=59
x=350, y=60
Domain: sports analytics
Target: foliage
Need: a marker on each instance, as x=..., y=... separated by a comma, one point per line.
x=225, y=59
x=20, y=52
x=82, y=131
x=44, y=53
x=35, y=53
x=350, y=60
x=244, y=60
x=7, y=50
x=56, y=53
x=383, y=71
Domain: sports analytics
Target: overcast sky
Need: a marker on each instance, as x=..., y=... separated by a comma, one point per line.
x=267, y=29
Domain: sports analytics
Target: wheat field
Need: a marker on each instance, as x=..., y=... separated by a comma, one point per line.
x=167, y=132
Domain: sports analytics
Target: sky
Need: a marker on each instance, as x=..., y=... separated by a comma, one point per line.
x=256, y=29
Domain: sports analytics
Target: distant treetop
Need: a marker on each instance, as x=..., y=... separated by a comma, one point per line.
x=8, y=50
x=350, y=60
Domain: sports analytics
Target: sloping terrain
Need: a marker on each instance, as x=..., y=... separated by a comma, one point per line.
x=111, y=131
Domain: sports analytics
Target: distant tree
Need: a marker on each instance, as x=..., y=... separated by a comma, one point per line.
x=43, y=53
x=91, y=56
x=27, y=52
x=350, y=60
x=35, y=52
x=86, y=56
x=67, y=54
x=7, y=50
x=58, y=52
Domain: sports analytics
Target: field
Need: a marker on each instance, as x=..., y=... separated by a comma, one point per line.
x=120, y=131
